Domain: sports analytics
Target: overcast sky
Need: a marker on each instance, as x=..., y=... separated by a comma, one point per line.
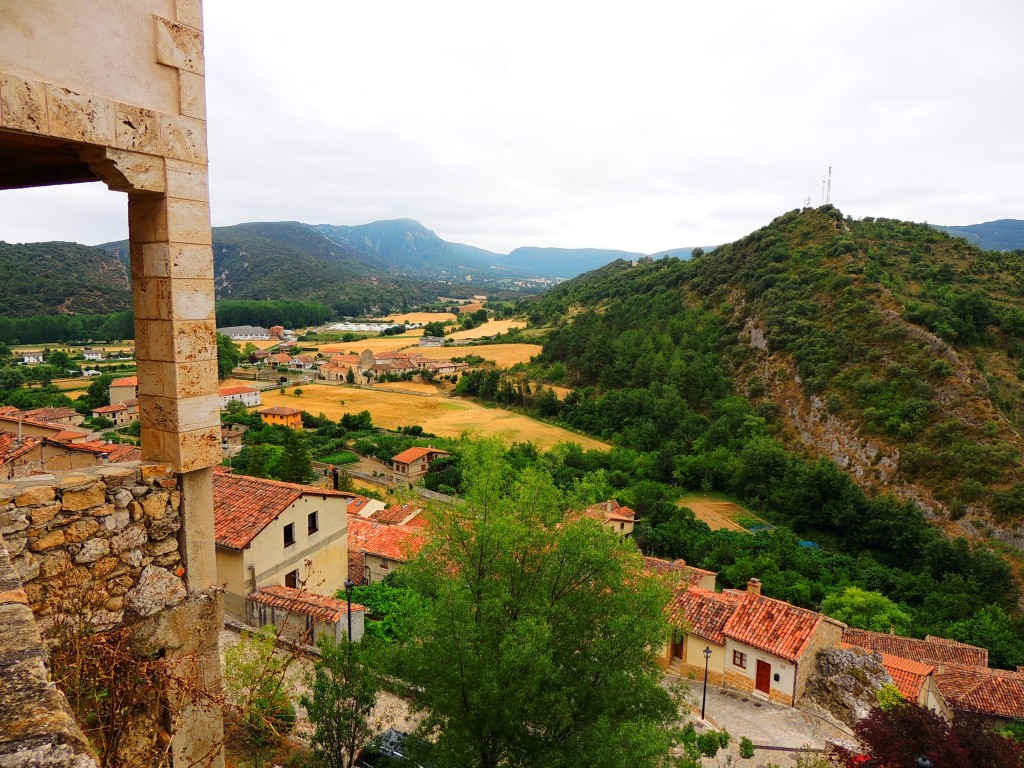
x=639, y=126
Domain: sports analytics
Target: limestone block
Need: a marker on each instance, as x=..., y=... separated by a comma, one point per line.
x=168, y=560
x=147, y=218
x=155, y=505
x=117, y=521
x=131, y=537
x=190, y=451
x=81, y=530
x=133, y=558
x=120, y=585
x=42, y=515
x=49, y=541
x=187, y=181
x=151, y=297
x=122, y=498
x=79, y=117
x=154, y=469
x=192, y=299
x=103, y=510
x=159, y=530
x=23, y=104
x=183, y=138
x=177, y=380
x=15, y=545
x=15, y=521
x=7, y=493
x=178, y=45
x=192, y=94
x=189, y=12
x=39, y=494
x=75, y=482
x=54, y=564
x=158, y=548
x=92, y=550
x=28, y=569
x=179, y=260
x=157, y=589
x=180, y=415
x=140, y=172
x=104, y=567
x=188, y=222
x=195, y=340
x=93, y=496
x=154, y=341
x=115, y=477
x=136, y=129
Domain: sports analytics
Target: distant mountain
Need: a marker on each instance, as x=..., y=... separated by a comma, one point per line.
x=563, y=262
x=1000, y=235
x=49, y=278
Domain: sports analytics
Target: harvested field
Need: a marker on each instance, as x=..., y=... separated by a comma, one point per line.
x=407, y=386
x=439, y=415
x=490, y=328
x=717, y=513
x=65, y=385
x=468, y=309
x=504, y=355
x=379, y=344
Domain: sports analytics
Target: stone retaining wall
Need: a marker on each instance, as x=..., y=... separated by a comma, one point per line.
x=102, y=541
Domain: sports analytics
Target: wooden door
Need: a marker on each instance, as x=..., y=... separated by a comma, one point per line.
x=678, y=648
x=764, y=676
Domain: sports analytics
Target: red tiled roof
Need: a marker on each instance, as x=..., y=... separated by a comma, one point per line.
x=51, y=414
x=908, y=676
x=676, y=567
x=281, y=357
x=66, y=435
x=396, y=514
x=611, y=510
x=393, y=542
x=127, y=381
x=93, y=446
x=702, y=612
x=356, y=505
x=410, y=455
x=319, y=607
x=243, y=506
x=11, y=448
x=994, y=692
x=225, y=391
x=125, y=452
x=280, y=410
x=929, y=650
x=773, y=625
x=8, y=410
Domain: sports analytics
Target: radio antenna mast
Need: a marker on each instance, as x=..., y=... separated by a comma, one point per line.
x=828, y=193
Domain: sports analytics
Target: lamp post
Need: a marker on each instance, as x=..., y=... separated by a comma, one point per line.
x=704, y=701
x=348, y=595
x=923, y=762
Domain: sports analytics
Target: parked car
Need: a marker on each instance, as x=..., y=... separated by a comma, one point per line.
x=393, y=748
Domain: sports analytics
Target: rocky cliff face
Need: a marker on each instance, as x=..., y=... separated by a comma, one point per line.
x=846, y=683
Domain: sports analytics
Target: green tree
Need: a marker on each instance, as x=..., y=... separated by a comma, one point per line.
x=227, y=356
x=433, y=329
x=297, y=462
x=350, y=377
x=98, y=393
x=343, y=693
x=256, y=685
x=60, y=360
x=533, y=632
x=993, y=628
x=866, y=610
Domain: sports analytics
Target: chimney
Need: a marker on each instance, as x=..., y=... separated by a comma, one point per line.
x=754, y=587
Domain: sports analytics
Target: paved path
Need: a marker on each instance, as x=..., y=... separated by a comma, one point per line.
x=763, y=723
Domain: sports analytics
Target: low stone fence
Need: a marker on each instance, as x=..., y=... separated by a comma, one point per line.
x=103, y=538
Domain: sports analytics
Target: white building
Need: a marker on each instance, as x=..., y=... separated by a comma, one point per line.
x=248, y=396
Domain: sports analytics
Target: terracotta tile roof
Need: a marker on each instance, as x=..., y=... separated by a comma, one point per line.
x=611, y=510
x=993, y=692
x=773, y=625
x=319, y=607
x=243, y=506
x=11, y=448
x=944, y=652
x=51, y=414
x=410, y=455
x=9, y=410
x=304, y=358
x=92, y=446
x=677, y=568
x=397, y=514
x=702, y=612
x=66, y=435
x=356, y=505
x=393, y=542
x=908, y=676
x=127, y=381
x=124, y=405
x=280, y=410
x=281, y=357
x=226, y=391
x=125, y=452
x=339, y=359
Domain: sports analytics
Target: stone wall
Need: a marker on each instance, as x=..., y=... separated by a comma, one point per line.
x=102, y=541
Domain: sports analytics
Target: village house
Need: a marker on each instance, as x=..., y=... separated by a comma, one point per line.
x=231, y=438
x=126, y=388
x=14, y=421
x=404, y=513
x=282, y=415
x=121, y=413
x=247, y=396
x=431, y=341
x=92, y=354
x=362, y=506
x=613, y=515
x=934, y=650
x=680, y=575
x=915, y=680
x=259, y=355
x=996, y=695
x=303, y=362
x=379, y=549
x=413, y=463
x=269, y=532
x=303, y=616
x=245, y=333
x=37, y=455
x=68, y=416
x=758, y=644
x=29, y=358
x=277, y=332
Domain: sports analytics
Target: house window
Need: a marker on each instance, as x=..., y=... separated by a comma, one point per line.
x=291, y=579
x=289, y=534
x=311, y=523
x=739, y=659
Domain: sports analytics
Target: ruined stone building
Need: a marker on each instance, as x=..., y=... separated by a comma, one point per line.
x=113, y=92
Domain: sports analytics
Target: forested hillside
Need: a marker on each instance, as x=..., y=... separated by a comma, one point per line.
x=43, y=278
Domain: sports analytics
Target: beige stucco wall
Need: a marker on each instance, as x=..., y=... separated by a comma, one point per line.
x=379, y=567
x=231, y=575
x=779, y=691
x=120, y=394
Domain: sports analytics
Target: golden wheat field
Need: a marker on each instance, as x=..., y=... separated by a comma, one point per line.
x=418, y=317
x=504, y=355
x=490, y=328
x=436, y=414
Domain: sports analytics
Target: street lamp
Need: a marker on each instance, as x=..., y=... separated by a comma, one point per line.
x=348, y=594
x=707, y=659
x=923, y=762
